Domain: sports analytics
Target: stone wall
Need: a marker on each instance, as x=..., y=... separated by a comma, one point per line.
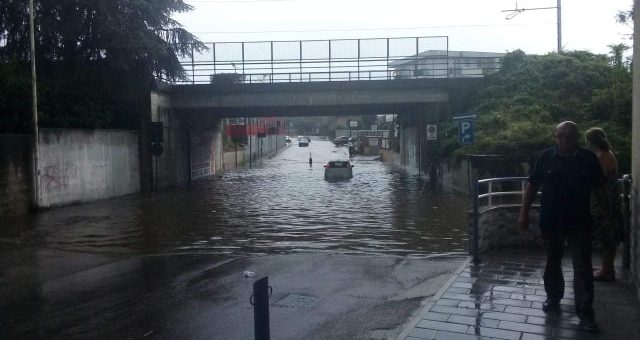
x=498, y=227
x=16, y=175
x=85, y=165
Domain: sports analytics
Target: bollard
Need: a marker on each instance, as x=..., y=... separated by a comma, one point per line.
x=626, y=220
x=260, y=302
x=310, y=160
x=476, y=216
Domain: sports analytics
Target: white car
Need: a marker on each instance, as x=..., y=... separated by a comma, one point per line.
x=338, y=170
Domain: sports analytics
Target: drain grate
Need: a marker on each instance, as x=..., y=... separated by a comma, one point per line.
x=296, y=301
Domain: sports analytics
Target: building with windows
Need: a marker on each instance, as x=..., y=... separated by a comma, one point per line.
x=447, y=64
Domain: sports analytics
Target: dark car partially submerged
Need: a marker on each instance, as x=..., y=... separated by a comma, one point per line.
x=342, y=140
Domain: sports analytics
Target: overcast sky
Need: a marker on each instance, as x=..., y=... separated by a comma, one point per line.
x=475, y=25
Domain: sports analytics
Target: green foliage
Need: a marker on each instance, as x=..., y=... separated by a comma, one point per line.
x=89, y=52
x=524, y=101
x=15, y=97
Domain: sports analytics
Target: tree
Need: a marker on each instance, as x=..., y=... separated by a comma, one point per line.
x=91, y=55
x=529, y=95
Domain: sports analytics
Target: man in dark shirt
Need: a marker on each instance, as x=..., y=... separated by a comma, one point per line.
x=567, y=174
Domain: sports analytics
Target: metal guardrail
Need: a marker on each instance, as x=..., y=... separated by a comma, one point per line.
x=363, y=133
x=331, y=60
x=490, y=196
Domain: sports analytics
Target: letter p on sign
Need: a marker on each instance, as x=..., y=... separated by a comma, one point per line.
x=465, y=131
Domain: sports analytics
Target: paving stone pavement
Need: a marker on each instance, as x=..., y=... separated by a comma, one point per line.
x=502, y=297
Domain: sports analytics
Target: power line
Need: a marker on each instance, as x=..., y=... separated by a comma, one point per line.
x=235, y=1
x=367, y=29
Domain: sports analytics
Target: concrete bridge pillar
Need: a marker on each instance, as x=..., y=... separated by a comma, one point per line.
x=416, y=152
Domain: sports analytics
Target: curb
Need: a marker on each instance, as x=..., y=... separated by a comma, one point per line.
x=411, y=324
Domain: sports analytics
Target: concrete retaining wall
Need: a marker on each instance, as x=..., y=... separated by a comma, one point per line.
x=206, y=152
x=85, y=165
x=15, y=175
x=498, y=227
x=173, y=165
x=409, y=151
x=230, y=159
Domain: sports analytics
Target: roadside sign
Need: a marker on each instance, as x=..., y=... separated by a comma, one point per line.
x=465, y=131
x=432, y=132
x=353, y=123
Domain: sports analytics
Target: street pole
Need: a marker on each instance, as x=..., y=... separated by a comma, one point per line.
x=558, y=8
x=559, y=13
x=34, y=88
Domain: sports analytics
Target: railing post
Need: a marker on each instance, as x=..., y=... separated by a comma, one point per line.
x=388, y=59
x=271, y=80
x=415, y=71
x=214, y=58
x=358, y=59
x=260, y=302
x=243, y=60
x=193, y=67
x=300, y=41
x=447, y=60
x=329, y=60
x=476, y=220
x=490, y=190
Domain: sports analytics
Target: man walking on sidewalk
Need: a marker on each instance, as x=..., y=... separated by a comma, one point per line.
x=567, y=174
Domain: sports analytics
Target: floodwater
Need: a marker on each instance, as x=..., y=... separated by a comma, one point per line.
x=281, y=205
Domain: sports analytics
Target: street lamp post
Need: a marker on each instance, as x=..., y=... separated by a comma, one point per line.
x=558, y=8
x=34, y=89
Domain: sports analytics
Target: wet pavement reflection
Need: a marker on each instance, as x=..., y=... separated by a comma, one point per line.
x=502, y=298
x=281, y=205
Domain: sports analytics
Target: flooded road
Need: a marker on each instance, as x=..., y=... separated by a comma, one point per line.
x=281, y=205
x=361, y=254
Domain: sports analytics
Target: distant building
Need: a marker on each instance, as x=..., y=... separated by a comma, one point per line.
x=440, y=64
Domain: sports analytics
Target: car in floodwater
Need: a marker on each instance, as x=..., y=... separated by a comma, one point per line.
x=341, y=140
x=338, y=170
x=303, y=142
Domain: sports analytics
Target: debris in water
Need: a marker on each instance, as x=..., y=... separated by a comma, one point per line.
x=249, y=274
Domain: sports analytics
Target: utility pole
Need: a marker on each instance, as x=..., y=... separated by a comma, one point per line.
x=558, y=8
x=559, y=16
x=34, y=89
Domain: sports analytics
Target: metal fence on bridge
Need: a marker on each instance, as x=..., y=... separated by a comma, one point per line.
x=332, y=60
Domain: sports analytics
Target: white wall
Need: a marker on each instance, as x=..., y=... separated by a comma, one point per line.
x=84, y=165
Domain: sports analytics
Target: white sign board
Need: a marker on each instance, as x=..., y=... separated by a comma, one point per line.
x=353, y=123
x=432, y=132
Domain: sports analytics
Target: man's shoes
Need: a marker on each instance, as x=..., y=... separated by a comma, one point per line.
x=588, y=323
x=551, y=305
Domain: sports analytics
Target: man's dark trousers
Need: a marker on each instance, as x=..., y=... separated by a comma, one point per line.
x=580, y=247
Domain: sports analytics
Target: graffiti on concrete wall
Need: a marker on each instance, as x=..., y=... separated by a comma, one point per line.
x=59, y=175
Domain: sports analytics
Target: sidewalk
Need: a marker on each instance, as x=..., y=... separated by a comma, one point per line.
x=502, y=298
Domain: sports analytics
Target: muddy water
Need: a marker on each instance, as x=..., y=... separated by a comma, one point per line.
x=281, y=205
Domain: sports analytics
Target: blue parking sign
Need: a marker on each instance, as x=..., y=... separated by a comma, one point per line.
x=465, y=131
